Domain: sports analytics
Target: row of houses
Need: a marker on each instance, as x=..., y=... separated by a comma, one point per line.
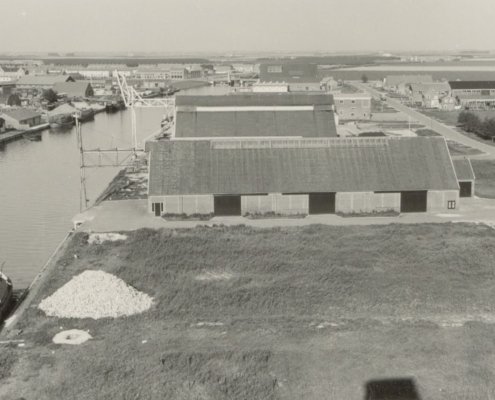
x=422, y=91
x=279, y=153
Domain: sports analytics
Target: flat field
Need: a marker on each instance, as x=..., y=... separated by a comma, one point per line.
x=314, y=312
x=450, y=117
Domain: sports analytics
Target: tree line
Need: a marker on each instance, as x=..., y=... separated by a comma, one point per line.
x=471, y=122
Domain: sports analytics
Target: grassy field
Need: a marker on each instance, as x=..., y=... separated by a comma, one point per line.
x=450, y=117
x=485, y=178
x=296, y=313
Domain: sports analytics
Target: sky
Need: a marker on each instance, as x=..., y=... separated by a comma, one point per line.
x=229, y=26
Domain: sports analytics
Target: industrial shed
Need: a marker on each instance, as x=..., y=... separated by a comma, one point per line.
x=255, y=115
x=465, y=176
x=301, y=176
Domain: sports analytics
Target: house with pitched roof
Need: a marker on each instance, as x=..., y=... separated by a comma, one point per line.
x=74, y=90
x=9, y=73
x=400, y=83
x=19, y=118
x=35, y=84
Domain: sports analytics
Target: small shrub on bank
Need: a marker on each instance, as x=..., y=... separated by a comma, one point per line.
x=272, y=214
x=383, y=213
x=188, y=217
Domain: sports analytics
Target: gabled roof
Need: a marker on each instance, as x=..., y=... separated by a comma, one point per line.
x=20, y=114
x=72, y=89
x=472, y=84
x=251, y=115
x=62, y=109
x=179, y=167
x=42, y=80
x=463, y=169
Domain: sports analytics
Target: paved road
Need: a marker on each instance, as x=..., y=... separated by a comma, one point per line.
x=445, y=130
x=128, y=215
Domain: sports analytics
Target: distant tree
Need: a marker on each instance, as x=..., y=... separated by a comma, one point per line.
x=489, y=128
x=50, y=95
x=470, y=122
x=364, y=78
x=14, y=100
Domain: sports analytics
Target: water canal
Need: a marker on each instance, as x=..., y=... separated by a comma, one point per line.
x=39, y=187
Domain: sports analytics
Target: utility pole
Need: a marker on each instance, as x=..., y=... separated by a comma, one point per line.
x=83, y=198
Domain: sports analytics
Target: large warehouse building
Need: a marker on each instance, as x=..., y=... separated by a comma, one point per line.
x=255, y=115
x=301, y=176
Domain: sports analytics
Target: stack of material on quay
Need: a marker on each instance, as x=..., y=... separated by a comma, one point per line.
x=95, y=294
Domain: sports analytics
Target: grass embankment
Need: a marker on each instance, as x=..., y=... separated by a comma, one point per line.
x=295, y=313
x=484, y=171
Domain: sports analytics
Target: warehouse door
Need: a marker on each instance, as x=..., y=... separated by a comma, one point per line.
x=465, y=189
x=414, y=201
x=322, y=203
x=227, y=205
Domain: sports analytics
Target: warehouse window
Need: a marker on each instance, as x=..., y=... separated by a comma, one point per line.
x=451, y=204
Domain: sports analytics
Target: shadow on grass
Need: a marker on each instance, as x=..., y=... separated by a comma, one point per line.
x=391, y=389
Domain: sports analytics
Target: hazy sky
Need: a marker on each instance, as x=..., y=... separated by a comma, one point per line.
x=245, y=25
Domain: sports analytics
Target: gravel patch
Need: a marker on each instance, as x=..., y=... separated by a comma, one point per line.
x=98, y=238
x=72, y=336
x=95, y=294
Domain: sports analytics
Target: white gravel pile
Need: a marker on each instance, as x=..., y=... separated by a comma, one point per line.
x=95, y=294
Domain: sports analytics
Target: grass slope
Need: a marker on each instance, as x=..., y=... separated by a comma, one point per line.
x=290, y=313
x=484, y=171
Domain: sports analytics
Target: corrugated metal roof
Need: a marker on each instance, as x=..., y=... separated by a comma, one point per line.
x=463, y=169
x=239, y=122
x=337, y=165
x=255, y=99
x=472, y=84
x=20, y=114
x=320, y=123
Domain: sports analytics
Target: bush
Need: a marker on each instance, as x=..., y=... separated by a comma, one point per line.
x=470, y=122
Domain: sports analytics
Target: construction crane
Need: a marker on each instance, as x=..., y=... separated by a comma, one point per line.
x=133, y=99
x=118, y=157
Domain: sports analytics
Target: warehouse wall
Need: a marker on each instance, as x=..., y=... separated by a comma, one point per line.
x=357, y=202
x=275, y=202
x=190, y=204
x=438, y=200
